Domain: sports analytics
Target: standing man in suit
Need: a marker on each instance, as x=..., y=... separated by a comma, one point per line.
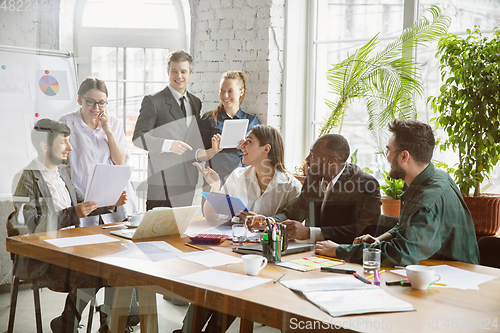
x=167, y=128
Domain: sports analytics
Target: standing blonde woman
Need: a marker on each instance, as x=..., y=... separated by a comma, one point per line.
x=231, y=94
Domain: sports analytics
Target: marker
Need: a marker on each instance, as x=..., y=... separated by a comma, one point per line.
x=279, y=278
x=338, y=270
x=360, y=278
x=329, y=258
x=371, y=276
x=396, y=282
x=194, y=246
x=376, y=281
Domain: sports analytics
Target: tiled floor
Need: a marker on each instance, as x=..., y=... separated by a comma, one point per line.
x=169, y=316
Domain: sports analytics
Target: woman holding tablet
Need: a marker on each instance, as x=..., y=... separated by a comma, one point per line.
x=264, y=185
x=231, y=94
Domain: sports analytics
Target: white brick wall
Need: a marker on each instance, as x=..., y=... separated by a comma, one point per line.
x=238, y=35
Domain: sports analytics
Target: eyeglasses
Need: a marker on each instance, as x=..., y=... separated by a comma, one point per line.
x=91, y=103
x=387, y=151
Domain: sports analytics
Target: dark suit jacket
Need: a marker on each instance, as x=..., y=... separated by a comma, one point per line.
x=354, y=186
x=40, y=215
x=160, y=118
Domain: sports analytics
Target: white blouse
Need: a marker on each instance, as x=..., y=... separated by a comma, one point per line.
x=91, y=147
x=242, y=183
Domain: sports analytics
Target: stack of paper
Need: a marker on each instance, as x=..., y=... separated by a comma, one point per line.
x=452, y=277
x=309, y=263
x=345, y=295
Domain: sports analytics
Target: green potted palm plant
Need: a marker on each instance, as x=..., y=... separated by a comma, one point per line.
x=467, y=109
x=393, y=188
x=386, y=80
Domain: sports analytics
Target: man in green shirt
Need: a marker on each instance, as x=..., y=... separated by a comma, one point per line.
x=434, y=221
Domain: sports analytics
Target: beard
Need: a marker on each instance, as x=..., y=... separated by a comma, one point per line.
x=397, y=172
x=57, y=160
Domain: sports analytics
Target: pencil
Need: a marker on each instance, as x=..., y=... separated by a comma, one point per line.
x=194, y=246
x=330, y=258
x=371, y=276
x=438, y=284
x=279, y=278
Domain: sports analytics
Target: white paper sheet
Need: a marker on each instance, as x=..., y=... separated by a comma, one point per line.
x=155, y=251
x=210, y=258
x=225, y=280
x=233, y=131
x=81, y=240
x=106, y=183
x=454, y=277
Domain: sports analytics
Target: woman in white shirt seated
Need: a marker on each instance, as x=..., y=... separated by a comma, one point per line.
x=264, y=185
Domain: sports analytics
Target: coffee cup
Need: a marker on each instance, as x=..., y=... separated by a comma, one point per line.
x=135, y=219
x=421, y=276
x=253, y=263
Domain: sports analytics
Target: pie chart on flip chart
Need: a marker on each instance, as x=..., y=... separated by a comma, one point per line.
x=49, y=85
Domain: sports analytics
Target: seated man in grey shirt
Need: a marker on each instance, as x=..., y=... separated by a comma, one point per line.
x=54, y=203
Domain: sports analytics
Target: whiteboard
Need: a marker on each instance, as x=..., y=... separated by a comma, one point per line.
x=34, y=84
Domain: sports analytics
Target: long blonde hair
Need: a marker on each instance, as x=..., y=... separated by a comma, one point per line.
x=233, y=75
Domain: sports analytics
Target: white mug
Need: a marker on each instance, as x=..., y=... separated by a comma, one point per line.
x=253, y=263
x=421, y=276
x=135, y=219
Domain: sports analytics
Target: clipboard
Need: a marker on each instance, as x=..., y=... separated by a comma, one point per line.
x=224, y=203
x=233, y=131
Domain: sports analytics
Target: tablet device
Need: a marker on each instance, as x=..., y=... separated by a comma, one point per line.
x=233, y=131
x=225, y=204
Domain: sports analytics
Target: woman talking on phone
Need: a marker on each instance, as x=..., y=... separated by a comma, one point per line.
x=96, y=137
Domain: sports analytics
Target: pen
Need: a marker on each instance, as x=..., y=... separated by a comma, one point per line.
x=371, y=276
x=338, y=270
x=101, y=113
x=116, y=225
x=279, y=278
x=329, y=258
x=194, y=246
x=396, y=282
x=360, y=278
x=376, y=280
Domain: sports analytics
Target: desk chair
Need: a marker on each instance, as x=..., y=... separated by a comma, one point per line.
x=16, y=282
x=489, y=251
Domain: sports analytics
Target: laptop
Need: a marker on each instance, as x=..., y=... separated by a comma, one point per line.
x=161, y=221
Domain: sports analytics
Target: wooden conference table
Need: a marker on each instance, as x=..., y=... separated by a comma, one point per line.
x=437, y=309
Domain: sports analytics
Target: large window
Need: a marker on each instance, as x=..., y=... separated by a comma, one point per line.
x=342, y=26
x=126, y=43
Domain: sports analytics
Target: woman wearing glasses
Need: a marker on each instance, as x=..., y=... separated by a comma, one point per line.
x=96, y=137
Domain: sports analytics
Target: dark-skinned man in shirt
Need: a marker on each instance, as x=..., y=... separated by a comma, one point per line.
x=434, y=220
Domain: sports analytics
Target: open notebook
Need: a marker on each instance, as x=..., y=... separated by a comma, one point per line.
x=161, y=221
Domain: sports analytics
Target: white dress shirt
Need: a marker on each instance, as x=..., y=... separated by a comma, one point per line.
x=57, y=187
x=167, y=144
x=242, y=183
x=91, y=147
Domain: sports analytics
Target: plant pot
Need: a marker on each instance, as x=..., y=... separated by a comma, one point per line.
x=390, y=207
x=301, y=179
x=485, y=213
